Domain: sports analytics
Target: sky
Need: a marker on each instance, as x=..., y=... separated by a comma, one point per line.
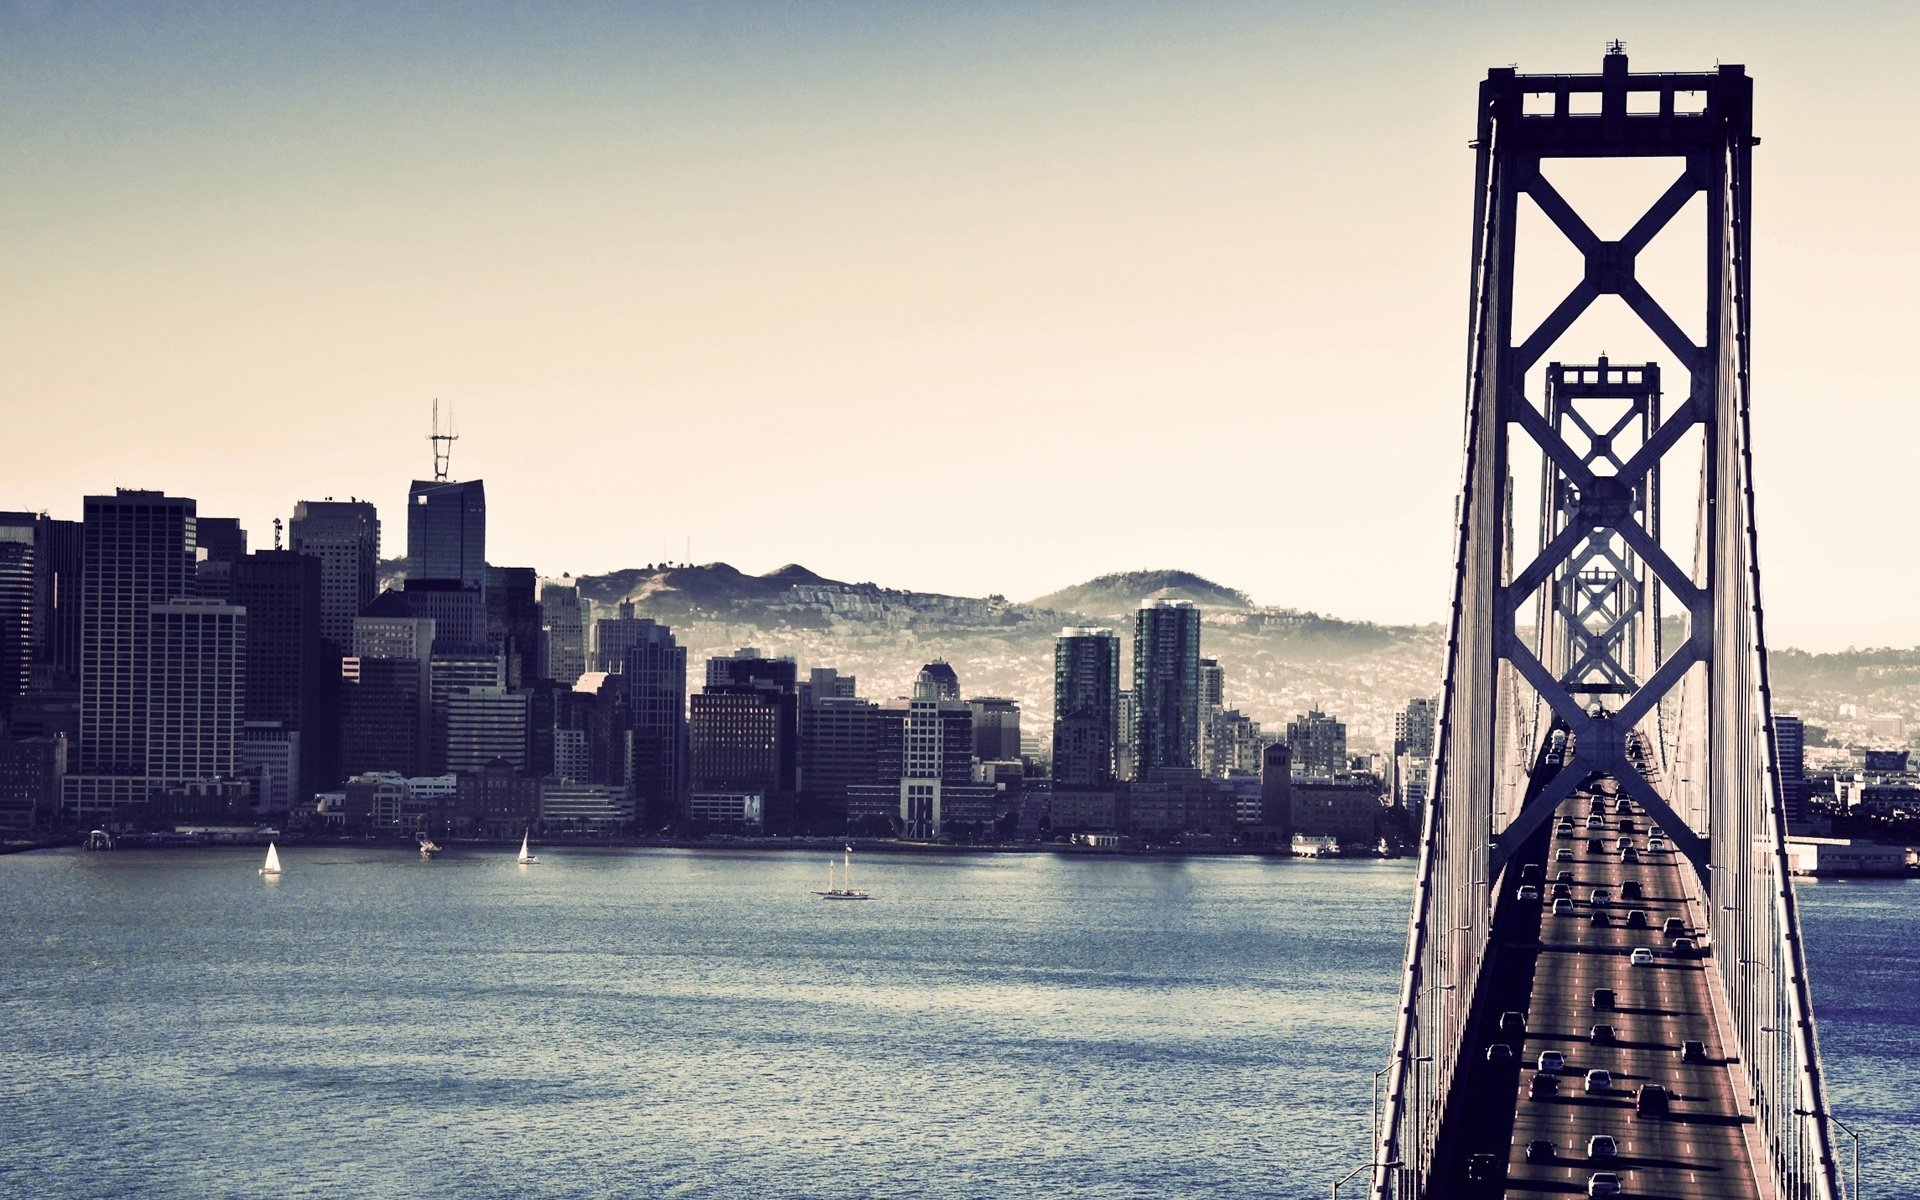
x=967, y=298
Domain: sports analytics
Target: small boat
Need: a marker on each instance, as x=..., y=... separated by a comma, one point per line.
x=272, y=866
x=525, y=858
x=428, y=847
x=845, y=890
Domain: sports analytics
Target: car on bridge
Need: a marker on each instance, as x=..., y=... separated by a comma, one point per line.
x=1630, y=889
x=1630, y=855
x=1551, y=1061
x=1603, y=1183
x=1601, y=896
x=1601, y=1145
x=1636, y=918
x=1603, y=998
x=1500, y=1054
x=1650, y=1101
x=1562, y=907
x=1685, y=947
x=1641, y=957
x=1542, y=1087
x=1513, y=1024
x=1598, y=1081
x=1542, y=1150
x=1563, y=854
x=1599, y=917
x=1600, y=1034
x=1674, y=927
x=1693, y=1052
x=1596, y=821
x=1623, y=805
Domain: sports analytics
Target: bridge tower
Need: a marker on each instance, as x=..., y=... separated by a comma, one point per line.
x=1582, y=646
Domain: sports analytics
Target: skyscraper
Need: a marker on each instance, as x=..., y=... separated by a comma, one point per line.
x=513, y=621
x=345, y=536
x=196, y=694
x=651, y=687
x=138, y=552
x=996, y=728
x=564, y=615
x=1086, y=706
x=291, y=675
x=1166, y=687
x=17, y=635
x=447, y=531
x=1789, y=752
x=743, y=732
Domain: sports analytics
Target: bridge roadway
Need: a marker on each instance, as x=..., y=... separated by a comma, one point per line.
x=1547, y=968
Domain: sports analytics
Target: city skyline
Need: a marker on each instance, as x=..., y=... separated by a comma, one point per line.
x=830, y=245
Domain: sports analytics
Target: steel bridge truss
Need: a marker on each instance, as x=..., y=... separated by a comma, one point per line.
x=1594, y=668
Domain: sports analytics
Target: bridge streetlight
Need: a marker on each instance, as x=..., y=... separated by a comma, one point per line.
x=1365, y=1166
x=1842, y=1126
x=1375, y=1148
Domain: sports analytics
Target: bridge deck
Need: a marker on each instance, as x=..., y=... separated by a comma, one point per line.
x=1547, y=968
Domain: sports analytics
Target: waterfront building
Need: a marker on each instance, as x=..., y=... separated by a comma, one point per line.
x=1347, y=810
x=270, y=761
x=447, y=532
x=1318, y=744
x=344, y=536
x=1234, y=742
x=30, y=773
x=572, y=807
x=1274, y=825
x=1125, y=759
x=484, y=725
x=495, y=801
x=564, y=619
x=138, y=551
x=937, y=794
x=1086, y=707
x=1166, y=687
x=839, y=738
x=744, y=732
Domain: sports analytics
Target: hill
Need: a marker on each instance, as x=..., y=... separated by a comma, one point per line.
x=1117, y=595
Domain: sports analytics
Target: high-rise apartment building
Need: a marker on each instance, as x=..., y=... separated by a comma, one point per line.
x=138, y=552
x=1790, y=755
x=1318, y=745
x=743, y=733
x=1086, y=706
x=453, y=669
x=996, y=728
x=344, y=535
x=1166, y=687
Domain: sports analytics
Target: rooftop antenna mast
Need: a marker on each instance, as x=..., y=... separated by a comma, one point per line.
x=442, y=442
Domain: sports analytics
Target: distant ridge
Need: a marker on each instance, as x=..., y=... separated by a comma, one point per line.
x=1121, y=593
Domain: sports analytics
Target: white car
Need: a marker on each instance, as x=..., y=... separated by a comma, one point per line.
x=1603, y=1183
x=1563, y=854
x=1641, y=957
x=1563, y=908
x=1600, y=1081
x=1551, y=1061
x=1596, y=821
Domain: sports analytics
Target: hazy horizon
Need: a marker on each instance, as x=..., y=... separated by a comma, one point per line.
x=993, y=300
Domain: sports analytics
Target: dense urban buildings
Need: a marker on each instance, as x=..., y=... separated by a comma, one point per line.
x=153, y=671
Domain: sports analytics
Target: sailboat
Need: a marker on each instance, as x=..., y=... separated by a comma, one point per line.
x=845, y=890
x=525, y=858
x=272, y=866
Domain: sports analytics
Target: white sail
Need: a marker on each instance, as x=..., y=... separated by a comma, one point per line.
x=525, y=857
x=273, y=861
